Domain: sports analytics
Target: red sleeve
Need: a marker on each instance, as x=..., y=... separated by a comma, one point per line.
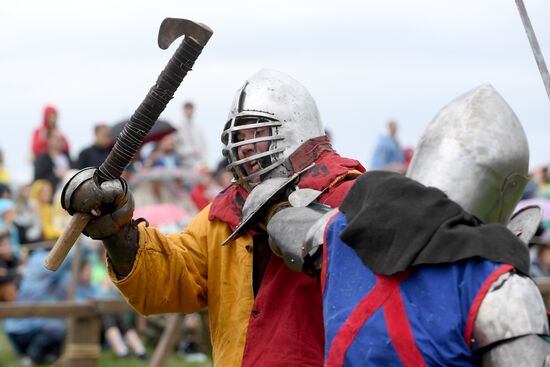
x=334, y=196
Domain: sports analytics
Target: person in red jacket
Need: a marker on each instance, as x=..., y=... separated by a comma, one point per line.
x=39, y=135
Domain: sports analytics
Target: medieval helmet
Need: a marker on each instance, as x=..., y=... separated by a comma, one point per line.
x=274, y=100
x=475, y=150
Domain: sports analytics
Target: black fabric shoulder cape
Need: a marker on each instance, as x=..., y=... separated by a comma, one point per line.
x=396, y=223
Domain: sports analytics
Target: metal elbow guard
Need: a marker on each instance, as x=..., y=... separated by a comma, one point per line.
x=294, y=234
x=287, y=231
x=512, y=308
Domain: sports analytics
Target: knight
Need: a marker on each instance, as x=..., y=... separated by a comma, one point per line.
x=261, y=312
x=426, y=269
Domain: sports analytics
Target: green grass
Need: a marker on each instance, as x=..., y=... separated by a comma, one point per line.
x=8, y=358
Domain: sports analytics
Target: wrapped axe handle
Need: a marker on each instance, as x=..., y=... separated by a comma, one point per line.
x=141, y=122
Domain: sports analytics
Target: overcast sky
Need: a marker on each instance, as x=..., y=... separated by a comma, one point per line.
x=363, y=61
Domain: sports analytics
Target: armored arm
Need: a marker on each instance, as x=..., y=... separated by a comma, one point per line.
x=510, y=324
x=296, y=234
x=294, y=221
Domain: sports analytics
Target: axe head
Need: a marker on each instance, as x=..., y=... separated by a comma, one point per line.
x=172, y=28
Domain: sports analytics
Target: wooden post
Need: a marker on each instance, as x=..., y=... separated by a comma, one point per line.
x=75, y=272
x=83, y=342
x=167, y=340
x=83, y=333
x=82, y=348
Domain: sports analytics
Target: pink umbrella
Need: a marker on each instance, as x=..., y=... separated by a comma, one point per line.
x=162, y=214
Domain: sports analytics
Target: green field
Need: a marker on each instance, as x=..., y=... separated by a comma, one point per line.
x=8, y=358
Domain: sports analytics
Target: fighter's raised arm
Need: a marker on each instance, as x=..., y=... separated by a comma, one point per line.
x=100, y=192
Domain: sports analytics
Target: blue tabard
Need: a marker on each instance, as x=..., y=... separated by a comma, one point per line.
x=422, y=317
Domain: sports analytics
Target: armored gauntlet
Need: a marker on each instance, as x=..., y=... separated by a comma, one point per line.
x=111, y=205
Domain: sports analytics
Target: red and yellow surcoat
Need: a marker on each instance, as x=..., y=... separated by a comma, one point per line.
x=187, y=271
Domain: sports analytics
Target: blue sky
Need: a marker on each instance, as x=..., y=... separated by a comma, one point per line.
x=364, y=62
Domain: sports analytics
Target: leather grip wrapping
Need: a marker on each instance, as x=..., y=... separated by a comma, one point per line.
x=145, y=116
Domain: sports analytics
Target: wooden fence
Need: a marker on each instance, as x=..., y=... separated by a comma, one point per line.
x=82, y=345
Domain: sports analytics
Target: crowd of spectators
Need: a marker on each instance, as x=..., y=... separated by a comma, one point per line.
x=171, y=168
x=537, y=193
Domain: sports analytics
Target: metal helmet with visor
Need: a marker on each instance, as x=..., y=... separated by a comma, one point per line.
x=282, y=114
x=475, y=150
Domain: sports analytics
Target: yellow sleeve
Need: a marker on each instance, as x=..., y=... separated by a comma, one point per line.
x=170, y=272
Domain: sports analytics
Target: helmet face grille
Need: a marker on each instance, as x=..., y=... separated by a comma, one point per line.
x=262, y=148
x=273, y=100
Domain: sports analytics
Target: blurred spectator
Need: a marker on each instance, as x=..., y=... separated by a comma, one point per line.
x=41, y=195
x=10, y=252
x=540, y=266
x=5, y=192
x=206, y=190
x=40, y=134
x=408, y=153
x=55, y=162
x=191, y=329
x=190, y=142
x=222, y=175
x=39, y=340
x=188, y=347
x=542, y=179
x=387, y=153
x=8, y=269
x=96, y=154
x=4, y=175
x=60, y=217
x=7, y=226
x=163, y=179
x=164, y=154
x=27, y=217
x=133, y=167
x=116, y=329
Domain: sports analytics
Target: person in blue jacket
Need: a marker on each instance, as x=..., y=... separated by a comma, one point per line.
x=40, y=339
